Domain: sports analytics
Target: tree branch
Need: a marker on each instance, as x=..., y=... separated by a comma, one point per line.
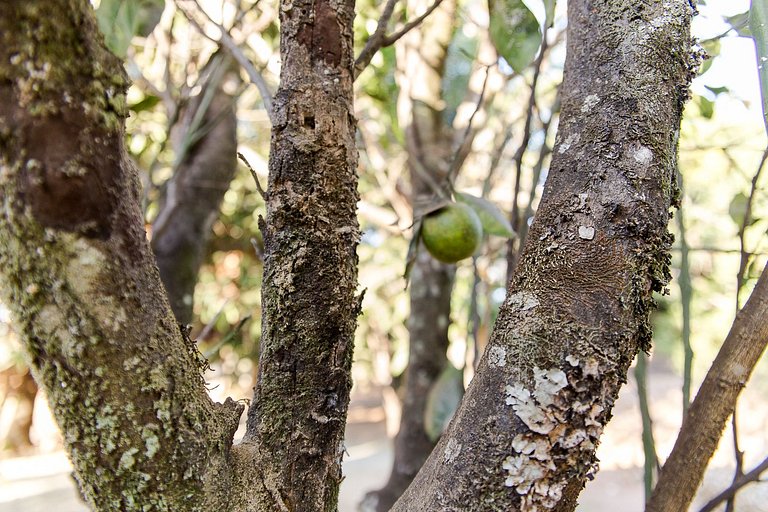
x=379, y=39
x=226, y=41
x=752, y=476
x=714, y=403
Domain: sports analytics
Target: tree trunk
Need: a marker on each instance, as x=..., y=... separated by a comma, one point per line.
x=80, y=278
x=191, y=199
x=421, y=65
x=577, y=308
x=296, y=424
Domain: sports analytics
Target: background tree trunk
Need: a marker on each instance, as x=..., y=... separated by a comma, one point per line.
x=577, y=308
x=192, y=196
x=421, y=63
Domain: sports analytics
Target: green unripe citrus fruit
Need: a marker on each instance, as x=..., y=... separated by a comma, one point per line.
x=452, y=233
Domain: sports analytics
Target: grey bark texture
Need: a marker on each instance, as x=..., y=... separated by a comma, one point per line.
x=309, y=307
x=577, y=308
x=191, y=198
x=79, y=276
x=421, y=63
x=714, y=404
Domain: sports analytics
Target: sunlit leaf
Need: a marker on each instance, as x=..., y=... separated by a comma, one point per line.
x=738, y=209
x=147, y=103
x=716, y=90
x=549, y=9
x=706, y=107
x=492, y=218
x=120, y=20
x=515, y=32
x=758, y=21
x=740, y=23
x=712, y=47
x=442, y=402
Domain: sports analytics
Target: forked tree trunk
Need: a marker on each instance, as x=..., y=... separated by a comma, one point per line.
x=577, y=308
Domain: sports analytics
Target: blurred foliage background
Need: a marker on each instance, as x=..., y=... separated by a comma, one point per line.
x=720, y=245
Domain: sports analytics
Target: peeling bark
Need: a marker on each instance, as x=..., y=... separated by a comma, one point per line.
x=296, y=423
x=577, y=308
x=79, y=276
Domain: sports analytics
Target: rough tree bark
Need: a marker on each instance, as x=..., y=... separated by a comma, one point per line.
x=422, y=57
x=296, y=424
x=80, y=277
x=577, y=308
x=191, y=198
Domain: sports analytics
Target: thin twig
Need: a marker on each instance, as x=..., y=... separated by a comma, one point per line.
x=738, y=454
x=650, y=464
x=746, y=221
x=232, y=47
x=262, y=192
x=686, y=295
x=752, y=476
x=379, y=39
x=456, y=161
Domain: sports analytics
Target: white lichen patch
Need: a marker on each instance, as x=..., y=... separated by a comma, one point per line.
x=586, y=232
x=522, y=301
x=643, y=155
x=497, y=356
x=84, y=266
x=564, y=419
x=452, y=450
x=151, y=443
x=589, y=103
x=565, y=146
x=127, y=459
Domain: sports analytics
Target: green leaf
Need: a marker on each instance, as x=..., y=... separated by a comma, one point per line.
x=740, y=23
x=712, y=47
x=738, y=209
x=145, y=104
x=150, y=12
x=443, y=400
x=706, y=107
x=515, y=32
x=491, y=217
x=758, y=25
x=120, y=20
x=716, y=90
x=549, y=9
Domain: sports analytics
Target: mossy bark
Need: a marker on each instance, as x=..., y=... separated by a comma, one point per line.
x=309, y=307
x=577, y=308
x=78, y=274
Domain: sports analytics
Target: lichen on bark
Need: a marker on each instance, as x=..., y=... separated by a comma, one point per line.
x=577, y=308
x=80, y=279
